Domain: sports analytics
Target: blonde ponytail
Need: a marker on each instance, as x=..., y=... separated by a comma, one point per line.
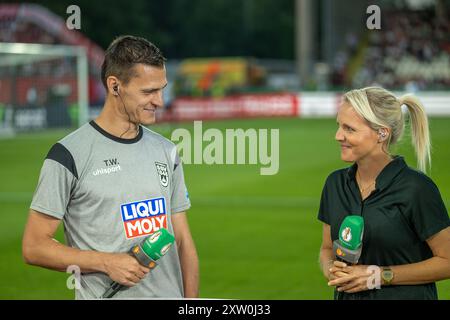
x=420, y=133
x=381, y=108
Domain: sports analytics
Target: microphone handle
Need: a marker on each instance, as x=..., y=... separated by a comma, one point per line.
x=115, y=286
x=142, y=258
x=113, y=289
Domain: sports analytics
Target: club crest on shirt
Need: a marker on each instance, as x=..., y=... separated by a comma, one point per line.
x=163, y=173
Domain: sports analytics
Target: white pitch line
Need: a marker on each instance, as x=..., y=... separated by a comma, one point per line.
x=18, y=197
x=276, y=201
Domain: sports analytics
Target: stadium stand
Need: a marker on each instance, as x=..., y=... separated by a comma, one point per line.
x=411, y=52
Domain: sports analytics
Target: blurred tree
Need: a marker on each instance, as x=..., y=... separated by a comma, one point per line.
x=191, y=28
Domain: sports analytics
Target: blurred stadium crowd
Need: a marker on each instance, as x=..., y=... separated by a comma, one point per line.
x=411, y=52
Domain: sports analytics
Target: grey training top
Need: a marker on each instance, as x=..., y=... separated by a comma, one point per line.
x=111, y=193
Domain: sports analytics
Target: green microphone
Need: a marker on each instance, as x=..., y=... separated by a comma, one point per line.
x=147, y=253
x=349, y=245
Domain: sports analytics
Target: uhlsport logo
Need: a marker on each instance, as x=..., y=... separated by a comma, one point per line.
x=144, y=217
x=163, y=173
x=112, y=165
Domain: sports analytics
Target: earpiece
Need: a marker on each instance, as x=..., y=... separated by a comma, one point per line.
x=382, y=134
x=116, y=93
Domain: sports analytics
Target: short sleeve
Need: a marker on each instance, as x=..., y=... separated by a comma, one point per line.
x=324, y=208
x=56, y=181
x=180, y=197
x=428, y=212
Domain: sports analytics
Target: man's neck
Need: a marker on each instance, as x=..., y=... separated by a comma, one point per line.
x=116, y=124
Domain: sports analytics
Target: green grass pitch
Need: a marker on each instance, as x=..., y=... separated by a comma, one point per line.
x=257, y=236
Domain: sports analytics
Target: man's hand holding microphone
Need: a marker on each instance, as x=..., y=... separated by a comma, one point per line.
x=127, y=269
x=124, y=269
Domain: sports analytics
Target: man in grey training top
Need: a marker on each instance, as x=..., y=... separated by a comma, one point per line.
x=113, y=182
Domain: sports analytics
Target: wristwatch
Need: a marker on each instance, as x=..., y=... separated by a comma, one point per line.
x=387, y=275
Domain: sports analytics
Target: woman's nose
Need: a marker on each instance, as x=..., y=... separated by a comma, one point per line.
x=339, y=135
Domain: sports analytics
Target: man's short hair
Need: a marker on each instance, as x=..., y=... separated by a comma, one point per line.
x=126, y=51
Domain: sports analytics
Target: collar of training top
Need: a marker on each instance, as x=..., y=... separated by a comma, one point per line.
x=117, y=139
x=386, y=175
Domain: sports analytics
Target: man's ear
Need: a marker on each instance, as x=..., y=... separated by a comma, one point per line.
x=113, y=85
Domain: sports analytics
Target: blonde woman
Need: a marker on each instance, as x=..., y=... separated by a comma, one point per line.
x=407, y=233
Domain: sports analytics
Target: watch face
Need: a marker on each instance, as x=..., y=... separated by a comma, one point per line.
x=387, y=275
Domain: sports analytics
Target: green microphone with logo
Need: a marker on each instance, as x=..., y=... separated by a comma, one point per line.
x=147, y=253
x=349, y=245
